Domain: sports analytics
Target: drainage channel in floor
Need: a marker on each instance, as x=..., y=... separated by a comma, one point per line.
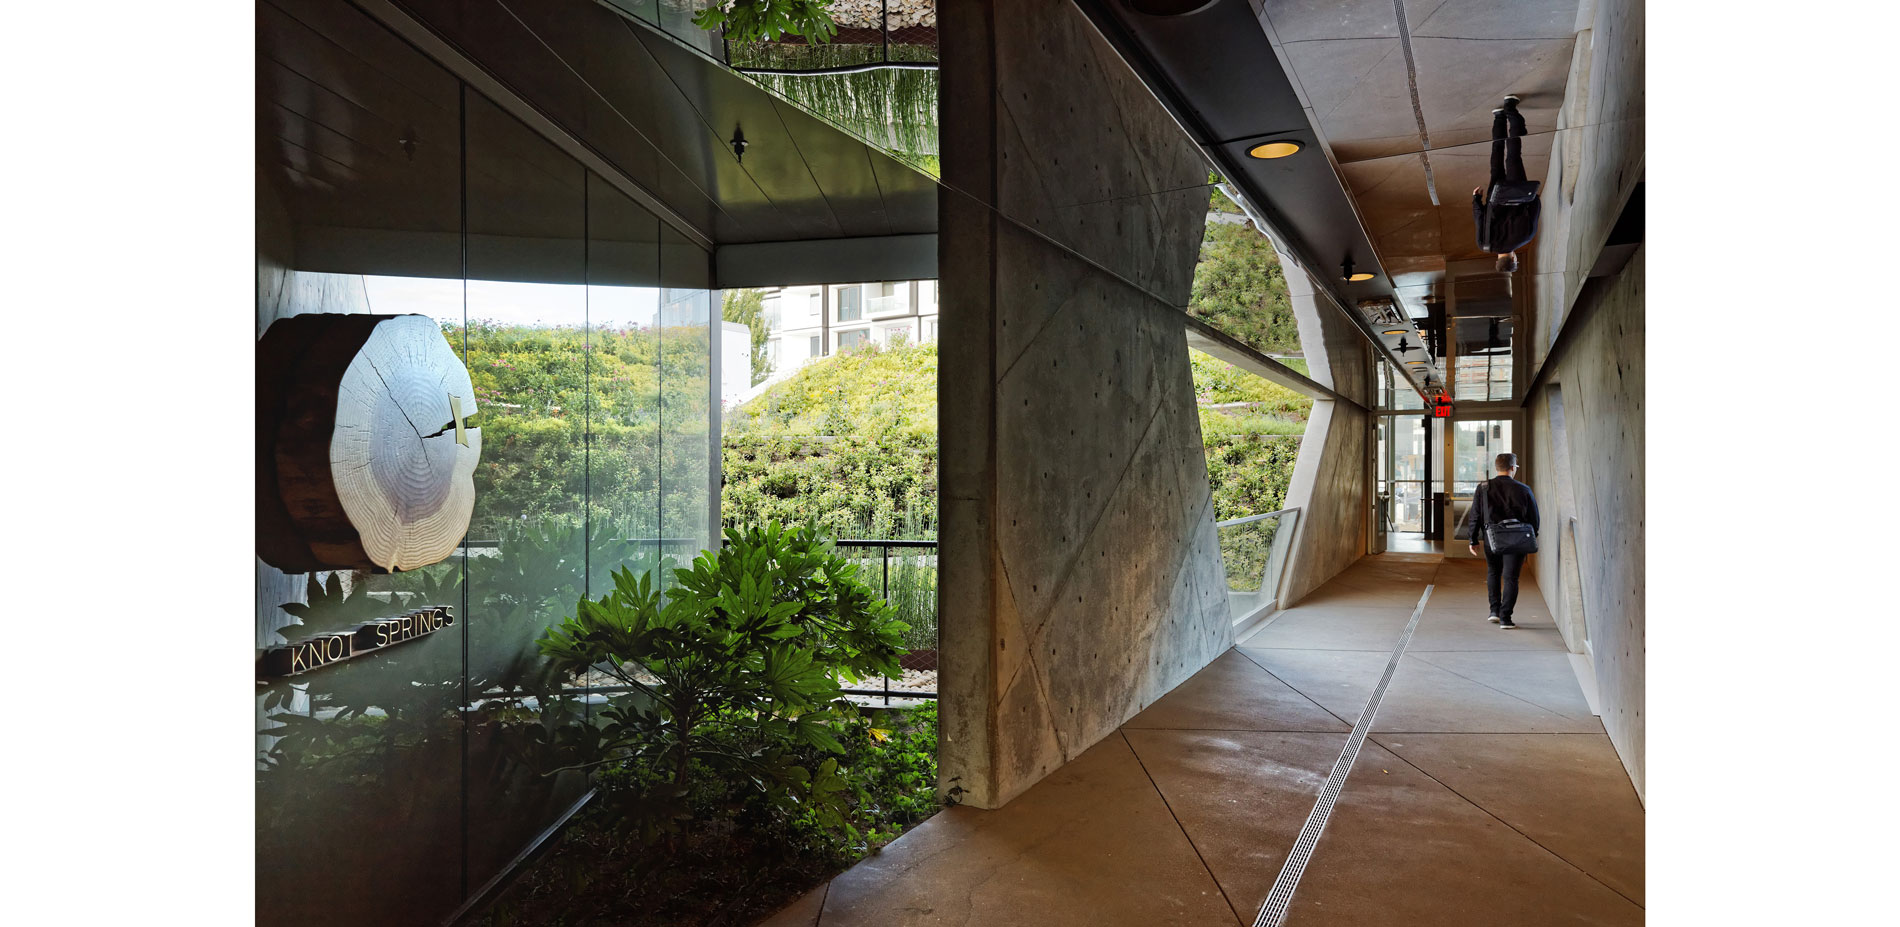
x=1273, y=911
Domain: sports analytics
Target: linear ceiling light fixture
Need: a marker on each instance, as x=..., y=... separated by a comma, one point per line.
x=1169, y=7
x=1397, y=331
x=1267, y=151
x=1345, y=271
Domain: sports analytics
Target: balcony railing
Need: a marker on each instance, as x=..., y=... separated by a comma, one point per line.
x=881, y=307
x=1254, y=551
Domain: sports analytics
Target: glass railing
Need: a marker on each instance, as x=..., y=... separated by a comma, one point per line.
x=675, y=18
x=1254, y=552
x=880, y=306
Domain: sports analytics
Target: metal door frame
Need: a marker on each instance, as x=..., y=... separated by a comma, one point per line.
x=1520, y=440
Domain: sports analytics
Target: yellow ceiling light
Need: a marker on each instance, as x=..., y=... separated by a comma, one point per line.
x=1414, y=363
x=1396, y=331
x=1358, y=278
x=1270, y=150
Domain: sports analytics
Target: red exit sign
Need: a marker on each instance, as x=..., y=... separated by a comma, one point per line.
x=1442, y=409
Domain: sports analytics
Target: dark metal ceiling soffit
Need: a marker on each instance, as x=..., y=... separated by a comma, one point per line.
x=661, y=120
x=1212, y=67
x=466, y=69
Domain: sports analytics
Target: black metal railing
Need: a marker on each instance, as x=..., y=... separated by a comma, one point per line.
x=914, y=597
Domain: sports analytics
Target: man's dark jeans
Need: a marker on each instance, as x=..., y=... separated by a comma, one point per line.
x=1500, y=581
x=1507, y=150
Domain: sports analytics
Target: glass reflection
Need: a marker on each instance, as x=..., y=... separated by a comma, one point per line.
x=1475, y=444
x=528, y=541
x=592, y=388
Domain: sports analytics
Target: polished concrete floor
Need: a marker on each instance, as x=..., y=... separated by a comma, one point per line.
x=1412, y=542
x=1486, y=792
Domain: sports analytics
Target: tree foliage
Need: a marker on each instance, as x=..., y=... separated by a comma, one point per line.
x=753, y=20
x=544, y=389
x=1240, y=288
x=747, y=307
x=848, y=444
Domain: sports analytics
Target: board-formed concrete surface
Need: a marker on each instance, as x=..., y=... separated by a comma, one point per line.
x=1486, y=794
x=1601, y=378
x=1081, y=573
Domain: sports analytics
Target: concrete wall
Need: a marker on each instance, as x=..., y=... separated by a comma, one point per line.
x=1332, y=478
x=1598, y=378
x=1587, y=419
x=1330, y=486
x=1081, y=575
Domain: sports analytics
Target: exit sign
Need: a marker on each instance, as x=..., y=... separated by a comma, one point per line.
x=1442, y=409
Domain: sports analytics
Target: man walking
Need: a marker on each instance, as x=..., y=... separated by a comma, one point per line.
x=1499, y=499
x=1507, y=215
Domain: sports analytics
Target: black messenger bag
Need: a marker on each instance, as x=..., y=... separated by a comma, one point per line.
x=1510, y=536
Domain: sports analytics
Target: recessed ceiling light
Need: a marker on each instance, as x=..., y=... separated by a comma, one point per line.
x=1414, y=363
x=1397, y=331
x=1358, y=278
x=1267, y=151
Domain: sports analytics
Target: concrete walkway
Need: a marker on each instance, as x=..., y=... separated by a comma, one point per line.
x=1486, y=793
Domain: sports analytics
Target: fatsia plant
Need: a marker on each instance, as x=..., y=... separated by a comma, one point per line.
x=766, y=20
x=735, y=674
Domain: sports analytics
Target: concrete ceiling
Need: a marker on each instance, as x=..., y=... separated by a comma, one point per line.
x=1411, y=170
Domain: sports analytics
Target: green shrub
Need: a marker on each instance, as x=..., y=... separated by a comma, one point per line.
x=734, y=673
x=744, y=858
x=752, y=20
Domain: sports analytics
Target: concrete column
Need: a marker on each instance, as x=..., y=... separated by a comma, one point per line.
x=1080, y=573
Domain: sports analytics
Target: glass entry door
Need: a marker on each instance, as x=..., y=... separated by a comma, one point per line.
x=1405, y=484
x=1472, y=445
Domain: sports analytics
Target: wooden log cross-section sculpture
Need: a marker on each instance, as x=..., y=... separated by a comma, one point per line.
x=365, y=458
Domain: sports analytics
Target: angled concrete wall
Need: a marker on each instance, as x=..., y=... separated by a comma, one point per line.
x=1081, y=576
x=1329, y=485
x=1332, y=477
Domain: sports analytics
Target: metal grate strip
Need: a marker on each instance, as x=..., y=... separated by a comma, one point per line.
x=1273, y=911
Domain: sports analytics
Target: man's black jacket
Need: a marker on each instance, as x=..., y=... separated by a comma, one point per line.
x=1499, y=499
x=1504, y=227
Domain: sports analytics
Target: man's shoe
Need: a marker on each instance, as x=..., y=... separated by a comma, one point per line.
x=1507, y=625
x=1511, y=100
x=1494, y=619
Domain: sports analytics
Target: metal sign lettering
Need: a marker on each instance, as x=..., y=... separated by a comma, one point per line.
x=324, y=649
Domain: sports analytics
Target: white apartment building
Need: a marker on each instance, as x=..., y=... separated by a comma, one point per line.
x=810, y=322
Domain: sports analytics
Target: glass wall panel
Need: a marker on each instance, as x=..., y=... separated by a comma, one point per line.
x=1405, y=456
x=1484, y=359
x=527, y=352
x=392, y=785
x=358, y=781
x=686, y=335
x=623, y=305
x=1475, y=444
